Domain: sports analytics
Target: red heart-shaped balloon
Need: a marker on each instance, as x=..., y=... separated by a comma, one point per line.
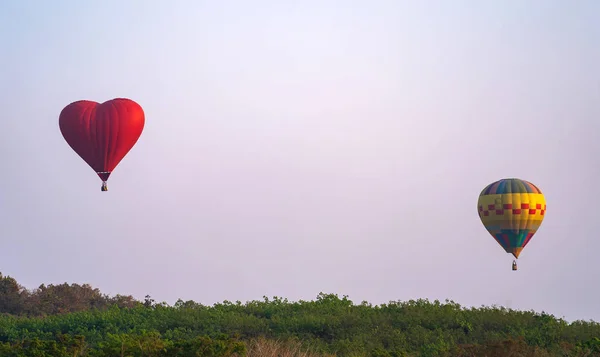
x=102, y=134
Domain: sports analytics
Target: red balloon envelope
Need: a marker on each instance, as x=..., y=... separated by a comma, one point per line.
x=102, y=134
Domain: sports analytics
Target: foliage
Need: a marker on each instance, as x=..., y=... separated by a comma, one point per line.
x=44, y=323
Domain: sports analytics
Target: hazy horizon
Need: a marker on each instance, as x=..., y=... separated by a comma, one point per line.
x=297, y=148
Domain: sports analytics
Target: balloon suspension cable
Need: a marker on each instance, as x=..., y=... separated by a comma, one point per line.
x=104, y=187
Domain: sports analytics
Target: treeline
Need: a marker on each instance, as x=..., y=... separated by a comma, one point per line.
x=55, y=299
x=98, y=325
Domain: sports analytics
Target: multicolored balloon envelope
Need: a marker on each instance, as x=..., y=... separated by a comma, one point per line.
x=102, y=134
x=512, y=210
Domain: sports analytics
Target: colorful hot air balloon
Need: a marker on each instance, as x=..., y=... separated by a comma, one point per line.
x=102, y=134
x=512, y=210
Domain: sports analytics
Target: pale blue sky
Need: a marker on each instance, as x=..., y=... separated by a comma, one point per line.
x=298, y=147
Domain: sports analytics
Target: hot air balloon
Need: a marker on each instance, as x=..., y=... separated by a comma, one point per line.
x=512, y=211
x=102, y=134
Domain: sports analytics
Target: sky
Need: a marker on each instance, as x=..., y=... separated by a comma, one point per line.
x=298, y=147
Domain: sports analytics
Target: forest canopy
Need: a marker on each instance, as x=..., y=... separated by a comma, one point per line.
x=78, y=320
